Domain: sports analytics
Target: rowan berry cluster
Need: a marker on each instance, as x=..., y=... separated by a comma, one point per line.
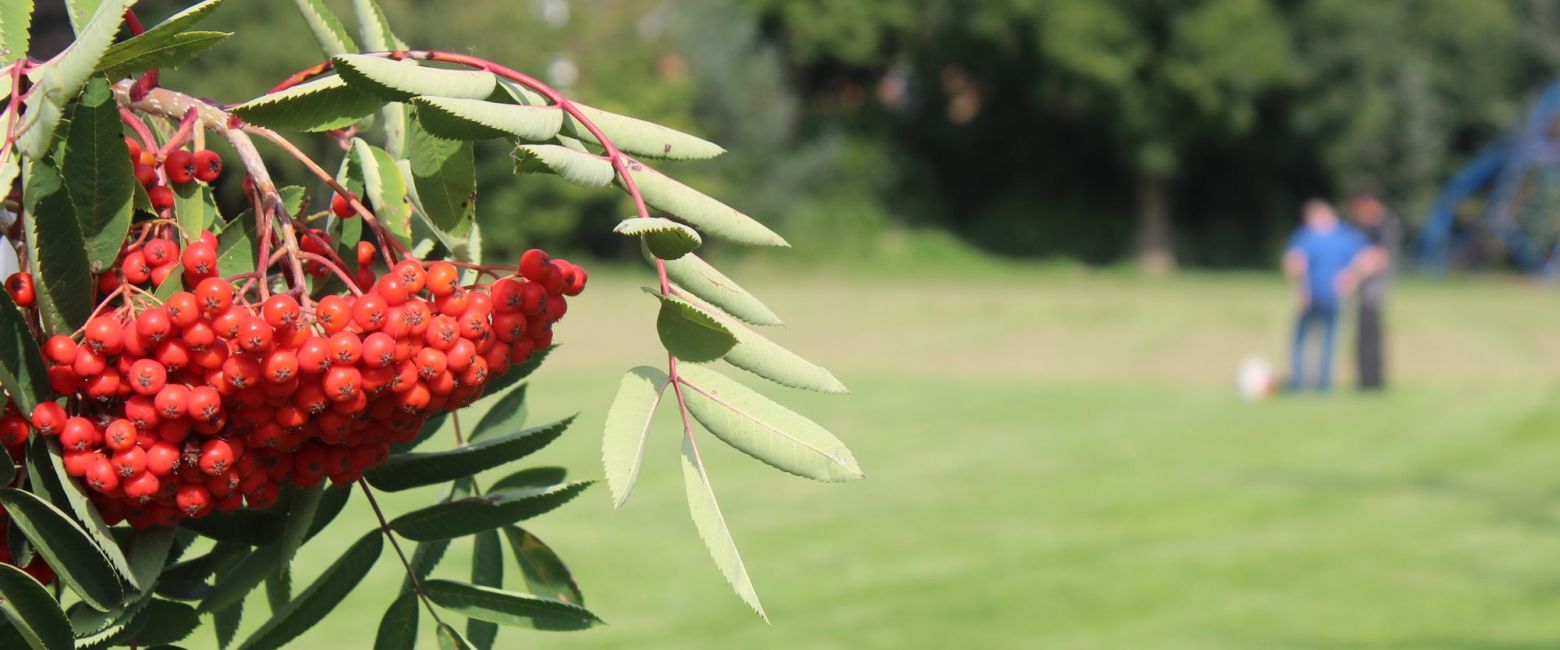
x=209, y=401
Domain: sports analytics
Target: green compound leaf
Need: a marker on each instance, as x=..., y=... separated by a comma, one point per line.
x=691, y=333
x=66, y=547
x=57, y=253
x=328, y=32
x=532, y=477
x=767, y=431
x=487, y=570
x=638, y=137
x=709, y=284
x=445, y=174
x=313, y=603
x=707, y=214
x=385, y=187
x=506, y=413
x=577, y=167
x=62, y=77
x=403, y=80
x=416, y=469
x=470, y=515
x=74, y=496
x=97, y=172
x=22, y=372
x=711, y=525
x=628, y=429
x=322, y=104
x=509, y=608
x=15, y=29
x=373, y=28
x=398, y=627
x=32, y=611
x=545, y=574
x=173, y=52
x=250, y=527
x=255, y=567
x=765, y=358
x=475, y=119
x=664, y=238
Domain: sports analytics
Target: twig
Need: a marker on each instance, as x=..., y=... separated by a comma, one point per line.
x=384, y=526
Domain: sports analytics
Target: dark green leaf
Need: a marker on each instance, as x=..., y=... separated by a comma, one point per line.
x=163, y=621
x=154, y=43
x=398, y=628
x=226, y=622
x=76, y=501
x=487, y=570
x=236, y=246
x=690, y=333
x=59, y=261
x=149, y=552
x=533, y=477
x=187, y=580
x=328, y=31
x=545, y=574
x=32, y=610
x=509, y=608
x=254, y=568
x=416, y=469
x=314, y=603
x=444, y=172
x=64, y=75
x=252, y=527
x=332, y=500
x=505, y=415
x=476, y=514
x=178, y=49
x=278, y=589
x=66, y=547
x=22, y=371
x=97, y=172
x=195, y=208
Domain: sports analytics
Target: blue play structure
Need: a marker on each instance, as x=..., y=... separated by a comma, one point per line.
x=1521, y=214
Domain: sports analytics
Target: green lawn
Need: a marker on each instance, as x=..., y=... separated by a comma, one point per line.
x=1059, y=460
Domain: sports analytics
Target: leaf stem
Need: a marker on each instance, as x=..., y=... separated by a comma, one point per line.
x=384, y=526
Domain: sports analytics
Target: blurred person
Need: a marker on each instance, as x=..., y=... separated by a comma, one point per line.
x=1320, y=263
x=1383, y=232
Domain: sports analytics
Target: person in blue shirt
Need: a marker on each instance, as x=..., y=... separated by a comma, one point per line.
x=1320, y=262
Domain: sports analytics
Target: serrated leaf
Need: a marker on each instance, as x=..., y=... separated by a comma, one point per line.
x=187, y=580
x=449, y=639
x=531, y=477
x=313, y=603
x=74, y=495
x=470, y=515
x=416, y=469
x=321, y=104
x=255, y=567
x=487, y=570
x=765, y=358
x=507, y=413
x=225, y=624
x=709, y=284
x=664, y=238
x=252, y=527
x=763, y=429
x=66, y=547
x=326, y=27
x=22, y=372
x=171, y=53
x=278, y=589
x=97, y=173
x=711, y=525
x=403, y=80
x=161, y=622
x=398, y=627
x=690, y=333
x=236, y=246
x=508, y=608
x=385, y=187
x=149, y=550
x=32, y=611
x=703, y=212
x=445, y=174
x=56, y=251
x=15, y=29
x=475, y=119
x=578, y=167
x=332, y=500
x=639, y=137
x=64, y=75
x=545, y=574
x=176, y=24
x=374, y=29
x=628, y=429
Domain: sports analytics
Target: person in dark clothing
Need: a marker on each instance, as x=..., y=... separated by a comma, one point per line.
x=1320, y=261
x=1384, y=232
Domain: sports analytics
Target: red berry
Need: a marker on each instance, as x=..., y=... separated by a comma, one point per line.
x=200, y=259
x=341, y=207
x=342, y=383
x=369, y=311
x=129, y=462
x=208, y=165
x=143, y=486
x=365, y=253
x=103, y=335
x=179, y=166
x=333, y=313
x=280, y=310
x=162, y=458
x=154, y=324
x=20, y=286
x=162, y=197
x=135, y=268
x=60, y=349
x=215, y=295
x=173, y=401
x=160, y=251
x=147, y=377
x=120, y=435
x=534, y=264
x=216, y=456
x=102, y=476
x=49, y=418
x=145, y=174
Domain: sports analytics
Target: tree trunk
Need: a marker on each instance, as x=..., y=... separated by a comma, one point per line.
x=1155, y=254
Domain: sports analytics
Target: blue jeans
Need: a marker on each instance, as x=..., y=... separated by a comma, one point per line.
x=1316, y=314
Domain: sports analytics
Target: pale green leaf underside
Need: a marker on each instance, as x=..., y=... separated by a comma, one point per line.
x=373, y=28
x=318, y=105
x=450, y=639
x=171, y=53
x=507, y=607
x=628, y=428
x=326, y=27
x=15, y=29
x=474, y=119
x=711, y=525
x=705, y=213
x=665, y=238
x=708, y=283
x=161, y=40
x=402, y=80
x=764, y=429
x=578, y=167
x=386, y=188
x=757, y=354
x=639, y=137
x=691, y=333
x=64, y=75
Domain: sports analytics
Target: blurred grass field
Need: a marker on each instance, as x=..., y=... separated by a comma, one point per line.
x=1058, y=459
